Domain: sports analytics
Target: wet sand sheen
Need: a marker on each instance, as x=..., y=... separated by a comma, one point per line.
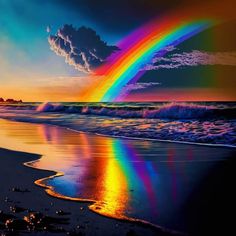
x=20, y=198
x=110, y=206
x=118, y=175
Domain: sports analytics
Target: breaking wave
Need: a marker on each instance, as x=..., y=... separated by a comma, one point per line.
x=206, y=123
x=166, y=111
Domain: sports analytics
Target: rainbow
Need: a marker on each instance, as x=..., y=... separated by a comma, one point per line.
x=138, y=49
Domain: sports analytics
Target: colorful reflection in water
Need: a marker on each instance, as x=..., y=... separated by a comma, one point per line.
x=125, y=178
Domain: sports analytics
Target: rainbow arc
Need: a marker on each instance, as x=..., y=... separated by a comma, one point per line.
x=138, y=50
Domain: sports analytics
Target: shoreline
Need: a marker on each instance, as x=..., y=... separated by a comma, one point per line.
x=20, y=177
x=116, y=226
x=92, y=203
x=126, y=137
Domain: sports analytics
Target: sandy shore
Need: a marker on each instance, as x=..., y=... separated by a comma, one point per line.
x=25, y=207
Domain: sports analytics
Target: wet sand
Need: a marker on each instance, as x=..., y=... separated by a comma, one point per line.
x=25, y=207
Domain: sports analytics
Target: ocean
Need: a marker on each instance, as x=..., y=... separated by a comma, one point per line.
x=167, y=164
x=179, y=187
x=199, y=122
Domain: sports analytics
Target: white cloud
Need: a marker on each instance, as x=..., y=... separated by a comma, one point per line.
x=138, y=86
x=193, y=58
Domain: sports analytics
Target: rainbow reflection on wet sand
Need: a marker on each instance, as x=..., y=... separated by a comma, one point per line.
x=123, y=178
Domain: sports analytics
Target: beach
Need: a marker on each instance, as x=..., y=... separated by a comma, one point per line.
x=137, y=187
x=18, y=190
x=117, y=118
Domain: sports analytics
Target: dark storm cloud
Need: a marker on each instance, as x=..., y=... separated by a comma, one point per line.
x=123, y=15
x=82, y=47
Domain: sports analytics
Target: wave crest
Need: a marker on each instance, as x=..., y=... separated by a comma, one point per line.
x=166, y=111
x=49, y=107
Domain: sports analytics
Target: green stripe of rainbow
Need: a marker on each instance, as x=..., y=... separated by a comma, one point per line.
x=137, y=50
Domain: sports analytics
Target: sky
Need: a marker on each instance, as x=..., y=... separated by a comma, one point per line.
x=37, y=64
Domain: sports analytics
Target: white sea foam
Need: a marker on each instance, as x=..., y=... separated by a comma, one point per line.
x=184, y=123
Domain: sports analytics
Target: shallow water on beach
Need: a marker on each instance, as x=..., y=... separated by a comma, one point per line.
x=147, y=180
x=206, y=123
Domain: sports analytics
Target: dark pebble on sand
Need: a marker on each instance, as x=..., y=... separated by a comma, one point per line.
x=73, y=233
x=10, y=233
x=80, y=227
x=16, y=209
x=29, y=210
x=16, y=189
x=7, y=199
x=40, y=221
x=16, y=224
x=32, y=222
x=62, y=213
x=4, y=217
